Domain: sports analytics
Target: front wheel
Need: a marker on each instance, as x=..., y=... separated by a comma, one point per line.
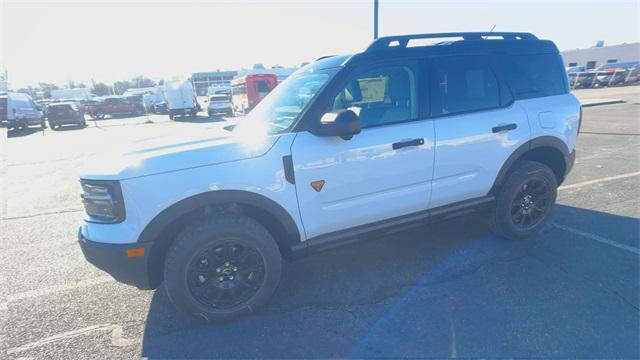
x=222, y=267
x=525, y=200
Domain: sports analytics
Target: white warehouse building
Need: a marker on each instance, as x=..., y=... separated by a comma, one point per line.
x=591, y=58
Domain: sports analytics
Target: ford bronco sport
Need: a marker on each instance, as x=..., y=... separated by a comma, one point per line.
x=345, y=147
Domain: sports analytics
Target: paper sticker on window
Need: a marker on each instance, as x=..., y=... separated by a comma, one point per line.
x=373, y=89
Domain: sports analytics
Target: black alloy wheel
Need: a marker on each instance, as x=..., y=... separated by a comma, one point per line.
x=531, y=203
x=524, y=201
x=226, y=276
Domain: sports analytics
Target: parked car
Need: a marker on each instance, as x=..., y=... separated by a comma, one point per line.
x=161, y=108
x=22, y=111
x=113, y=105
x=151, y=100
x=614, y=74
x=344, y=148
x=219, y=104
x=65, y=113
x=584, y=80
x=181, y=98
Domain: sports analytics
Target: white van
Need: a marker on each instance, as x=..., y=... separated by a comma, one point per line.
x=22, y=111
x=181, y=98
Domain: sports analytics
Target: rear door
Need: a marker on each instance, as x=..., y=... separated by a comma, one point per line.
x=477, y=126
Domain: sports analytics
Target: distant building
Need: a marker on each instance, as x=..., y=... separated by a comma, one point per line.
x=592, y=58
x=280, y=72
x=202, y=80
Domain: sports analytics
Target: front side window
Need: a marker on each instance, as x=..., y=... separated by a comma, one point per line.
x=464, y=83
x=382, y=94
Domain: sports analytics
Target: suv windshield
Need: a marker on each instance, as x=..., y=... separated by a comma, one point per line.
x=281, y=108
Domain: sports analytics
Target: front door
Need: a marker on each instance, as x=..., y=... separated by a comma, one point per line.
x=383, y=172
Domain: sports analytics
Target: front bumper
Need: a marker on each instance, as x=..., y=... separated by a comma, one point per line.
x=113, y=259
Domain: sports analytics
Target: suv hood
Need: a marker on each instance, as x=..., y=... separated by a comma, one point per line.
x=160, y=155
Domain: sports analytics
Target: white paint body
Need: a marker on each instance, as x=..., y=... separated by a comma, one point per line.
x=365, y=179
x=179, y=94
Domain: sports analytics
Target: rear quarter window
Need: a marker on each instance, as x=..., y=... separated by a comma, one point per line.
x=534, y=75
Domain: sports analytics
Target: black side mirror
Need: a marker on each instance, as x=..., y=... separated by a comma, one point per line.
x=343, y=123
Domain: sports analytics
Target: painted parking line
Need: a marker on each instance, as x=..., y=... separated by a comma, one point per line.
x=116, y=337
x=598, y=238
x=53, y=290
x=596, y=181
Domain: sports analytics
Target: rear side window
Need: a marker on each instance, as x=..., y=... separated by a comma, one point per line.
x=464, y=83
x=534, y=75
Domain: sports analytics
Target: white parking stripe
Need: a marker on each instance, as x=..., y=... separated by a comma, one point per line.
x=590, y=182
x=61, y=336
x=58, y=288
x=598, y=238
x=116, y=337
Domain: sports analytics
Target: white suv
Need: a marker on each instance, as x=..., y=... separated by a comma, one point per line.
x=345, y=147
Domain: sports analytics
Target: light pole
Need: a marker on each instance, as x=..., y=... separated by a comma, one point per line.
x=375, y=19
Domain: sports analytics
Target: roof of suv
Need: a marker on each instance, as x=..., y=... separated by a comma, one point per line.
x=391, y=47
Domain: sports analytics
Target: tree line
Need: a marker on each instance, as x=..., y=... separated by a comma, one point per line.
x=44, y=89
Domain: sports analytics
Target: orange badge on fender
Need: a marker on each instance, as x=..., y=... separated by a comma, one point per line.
x=317, y=185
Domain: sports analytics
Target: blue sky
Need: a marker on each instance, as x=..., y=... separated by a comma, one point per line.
x=57, y=41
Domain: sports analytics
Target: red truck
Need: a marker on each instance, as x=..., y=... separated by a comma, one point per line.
x=113, y=106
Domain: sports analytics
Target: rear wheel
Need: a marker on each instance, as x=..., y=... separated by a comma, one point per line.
x=525, y=200
x=222, y=267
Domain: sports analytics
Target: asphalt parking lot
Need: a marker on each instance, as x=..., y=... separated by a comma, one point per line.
x=448, y=290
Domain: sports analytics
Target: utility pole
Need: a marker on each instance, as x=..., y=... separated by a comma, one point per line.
x=375, y=19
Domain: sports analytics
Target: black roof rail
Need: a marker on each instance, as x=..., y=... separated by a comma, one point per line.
x=401, y=41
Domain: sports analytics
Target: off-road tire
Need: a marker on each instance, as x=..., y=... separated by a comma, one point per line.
x=207, y=234
x=502, y=218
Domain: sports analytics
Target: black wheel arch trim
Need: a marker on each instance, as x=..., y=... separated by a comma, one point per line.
x=155, y=227
x=539, y=142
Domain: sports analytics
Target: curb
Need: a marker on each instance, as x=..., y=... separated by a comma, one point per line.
x=604, y=102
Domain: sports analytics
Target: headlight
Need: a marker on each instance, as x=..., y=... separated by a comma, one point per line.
x=103, y=201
